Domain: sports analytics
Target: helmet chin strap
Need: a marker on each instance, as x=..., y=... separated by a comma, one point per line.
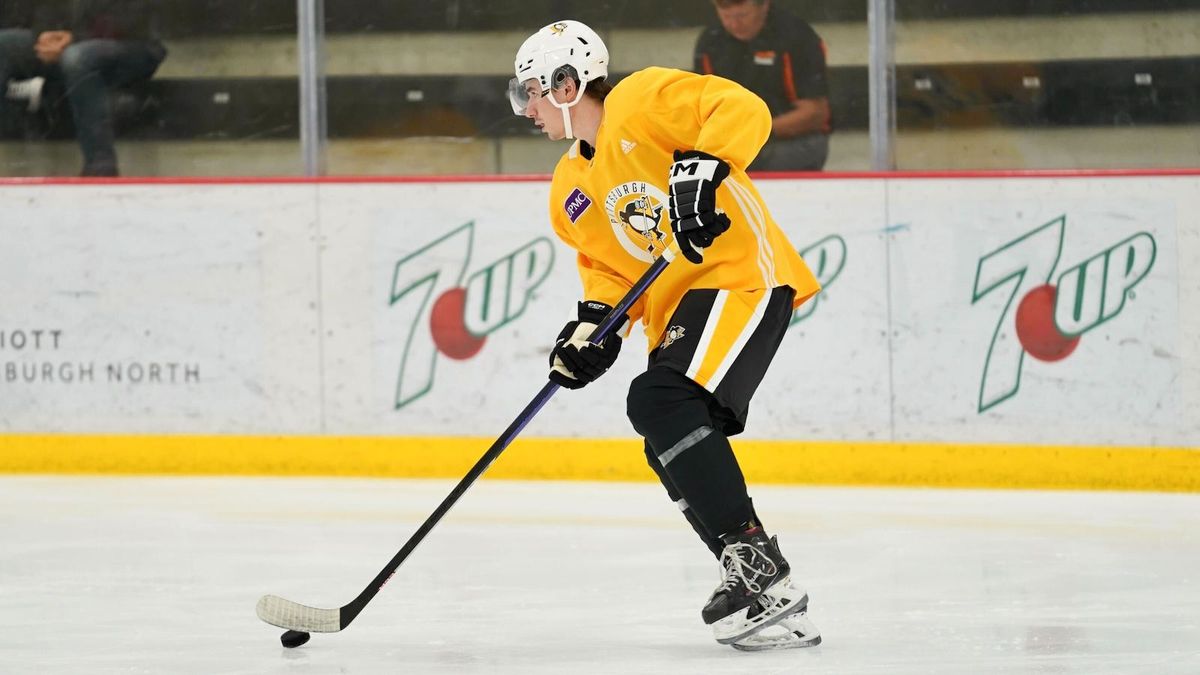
x=566, y=112
x=570, y=133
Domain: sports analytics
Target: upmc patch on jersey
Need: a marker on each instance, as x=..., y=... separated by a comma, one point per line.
x=576, y=204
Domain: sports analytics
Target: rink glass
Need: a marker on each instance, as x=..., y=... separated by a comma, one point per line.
x=1001, y=84
x=224, y=102
x=368, y=87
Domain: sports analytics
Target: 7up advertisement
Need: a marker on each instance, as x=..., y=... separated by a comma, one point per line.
x=447, y=330
x=1047, y=315
x=459, y=310
x=1006, y=309
x=1043, y=311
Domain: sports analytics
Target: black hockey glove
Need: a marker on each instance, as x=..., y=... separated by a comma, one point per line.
x=695, y=220
x=574, y=361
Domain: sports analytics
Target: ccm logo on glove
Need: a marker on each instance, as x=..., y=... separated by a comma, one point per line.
x=575, y=361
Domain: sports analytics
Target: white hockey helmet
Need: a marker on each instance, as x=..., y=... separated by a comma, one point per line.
x=557, y=51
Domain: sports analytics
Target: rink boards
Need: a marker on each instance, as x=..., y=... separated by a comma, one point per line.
x=987, y=330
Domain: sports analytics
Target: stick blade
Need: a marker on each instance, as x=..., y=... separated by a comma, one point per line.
x=284, y=613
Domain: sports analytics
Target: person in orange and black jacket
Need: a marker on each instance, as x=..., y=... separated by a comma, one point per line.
x=781, y=58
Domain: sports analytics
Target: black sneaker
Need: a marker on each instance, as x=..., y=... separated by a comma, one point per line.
x=752, y=564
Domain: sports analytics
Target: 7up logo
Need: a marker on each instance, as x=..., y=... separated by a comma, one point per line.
x=1047, y=319
x=437, y=307
x=826, y=258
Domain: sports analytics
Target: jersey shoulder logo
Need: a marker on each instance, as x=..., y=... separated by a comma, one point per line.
x=627, y=146
x=577, y=202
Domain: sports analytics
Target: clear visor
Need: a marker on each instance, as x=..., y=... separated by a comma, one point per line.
x=522, y=95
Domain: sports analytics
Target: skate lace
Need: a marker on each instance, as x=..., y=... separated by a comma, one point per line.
x=739, y=568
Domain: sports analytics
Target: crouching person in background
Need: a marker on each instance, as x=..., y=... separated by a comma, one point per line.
x=93, y=46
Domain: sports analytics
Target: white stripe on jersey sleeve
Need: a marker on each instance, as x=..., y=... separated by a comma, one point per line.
x=763, y=264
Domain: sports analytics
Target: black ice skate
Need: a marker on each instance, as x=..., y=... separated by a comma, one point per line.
x=752, y=564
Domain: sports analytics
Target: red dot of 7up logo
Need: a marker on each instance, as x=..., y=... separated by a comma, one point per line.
x=1046, y=316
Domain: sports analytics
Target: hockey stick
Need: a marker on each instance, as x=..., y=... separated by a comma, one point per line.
x=302, y=619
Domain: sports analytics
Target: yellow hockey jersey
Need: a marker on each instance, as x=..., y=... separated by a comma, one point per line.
x=613, y=208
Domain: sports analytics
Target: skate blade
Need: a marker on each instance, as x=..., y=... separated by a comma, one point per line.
x=795, y=631
x=789, y=641
x=755, y=625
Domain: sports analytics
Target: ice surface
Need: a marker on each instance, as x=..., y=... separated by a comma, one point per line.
x=161, y=575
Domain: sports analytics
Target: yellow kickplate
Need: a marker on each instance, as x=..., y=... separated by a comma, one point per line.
x=780, y=462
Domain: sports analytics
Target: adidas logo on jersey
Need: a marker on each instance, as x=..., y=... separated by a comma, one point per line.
x=627, y=146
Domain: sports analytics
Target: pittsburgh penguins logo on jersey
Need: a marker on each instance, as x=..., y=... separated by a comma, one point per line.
x=673, y=333
x=642, y=216
x=635, y=211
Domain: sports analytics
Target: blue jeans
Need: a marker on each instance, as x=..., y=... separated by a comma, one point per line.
x=89, y=69
x=802, y=153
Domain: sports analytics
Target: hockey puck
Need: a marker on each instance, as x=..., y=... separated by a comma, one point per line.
x=294, y=638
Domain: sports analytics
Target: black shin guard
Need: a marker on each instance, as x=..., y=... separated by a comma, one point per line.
x=671, y=412
x=712, y=541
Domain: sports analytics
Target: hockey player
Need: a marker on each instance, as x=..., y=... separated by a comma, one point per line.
x=661, y=158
